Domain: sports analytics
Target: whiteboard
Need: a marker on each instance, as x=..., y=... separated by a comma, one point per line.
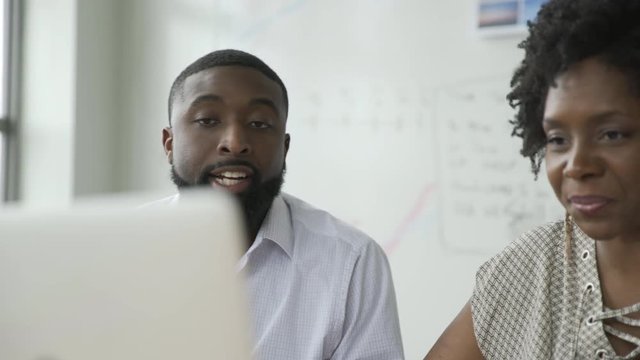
x=399, y=126
x=486, y=188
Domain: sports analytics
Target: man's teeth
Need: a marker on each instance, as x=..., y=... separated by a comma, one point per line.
x=228, y=182
x=233, y=175
x=230, y=178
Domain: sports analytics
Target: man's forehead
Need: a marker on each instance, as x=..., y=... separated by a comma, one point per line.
x=229, y=82
x=231, y=79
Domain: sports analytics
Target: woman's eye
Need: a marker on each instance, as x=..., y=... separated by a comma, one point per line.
x=207, y=121
x=612, y=135
x=556, y=141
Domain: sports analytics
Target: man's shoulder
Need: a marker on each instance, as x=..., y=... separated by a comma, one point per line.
x=320, y=223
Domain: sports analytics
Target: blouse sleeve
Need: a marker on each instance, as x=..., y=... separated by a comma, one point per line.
x=512, y=302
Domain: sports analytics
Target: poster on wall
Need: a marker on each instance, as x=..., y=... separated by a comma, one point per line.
x=504, y=17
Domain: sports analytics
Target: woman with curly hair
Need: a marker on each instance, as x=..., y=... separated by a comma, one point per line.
x=569, y=289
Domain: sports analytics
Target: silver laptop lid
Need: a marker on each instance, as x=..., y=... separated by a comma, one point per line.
x=102, y=282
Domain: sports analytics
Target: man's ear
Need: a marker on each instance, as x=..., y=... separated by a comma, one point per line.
x=287, y=140
x=167, y=143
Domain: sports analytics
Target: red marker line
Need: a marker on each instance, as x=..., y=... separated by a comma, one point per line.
x=400, y=232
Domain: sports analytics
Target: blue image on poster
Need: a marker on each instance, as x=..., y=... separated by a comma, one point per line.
x=531, y=8
x=498, y=13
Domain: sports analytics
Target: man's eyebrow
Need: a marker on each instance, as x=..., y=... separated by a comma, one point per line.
x=205, y=98
x=265, y=101
x=253, y=102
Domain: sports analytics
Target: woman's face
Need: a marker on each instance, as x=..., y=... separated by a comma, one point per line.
x=592, y=124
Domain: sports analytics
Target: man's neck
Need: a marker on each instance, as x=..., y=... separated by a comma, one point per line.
x=254, y=223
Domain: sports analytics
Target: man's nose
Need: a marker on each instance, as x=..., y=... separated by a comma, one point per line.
x=234, y=141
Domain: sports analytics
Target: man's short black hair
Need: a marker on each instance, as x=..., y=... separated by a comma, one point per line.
x=227, y=57
x=566, y=32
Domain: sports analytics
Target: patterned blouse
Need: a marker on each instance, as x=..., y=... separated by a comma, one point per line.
x=533, y=302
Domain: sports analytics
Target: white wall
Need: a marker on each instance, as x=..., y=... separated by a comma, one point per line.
x=70, y=113
x=48, y=101
x=97, y=108
x=333, y=56
x=360, y=75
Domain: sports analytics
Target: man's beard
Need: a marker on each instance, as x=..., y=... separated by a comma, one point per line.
x=254, y=202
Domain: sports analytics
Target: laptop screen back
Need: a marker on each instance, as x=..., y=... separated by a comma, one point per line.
x=102, y=282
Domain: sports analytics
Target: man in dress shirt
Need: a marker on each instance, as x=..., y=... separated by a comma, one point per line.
x=318, y=288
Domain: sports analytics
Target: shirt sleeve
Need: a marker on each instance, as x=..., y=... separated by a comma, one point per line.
x=371, y=327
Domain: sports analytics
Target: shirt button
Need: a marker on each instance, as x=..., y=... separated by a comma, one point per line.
x=585, y=255
x=589, y=287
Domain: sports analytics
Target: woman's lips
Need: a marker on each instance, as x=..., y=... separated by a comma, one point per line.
x=589, y=204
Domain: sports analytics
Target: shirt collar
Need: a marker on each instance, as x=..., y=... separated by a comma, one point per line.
x=276, y=227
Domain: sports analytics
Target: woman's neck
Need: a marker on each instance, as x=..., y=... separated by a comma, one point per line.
x=619, y=272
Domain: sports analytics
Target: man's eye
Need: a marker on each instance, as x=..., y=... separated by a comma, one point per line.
x=207, y=121
x=259, y=124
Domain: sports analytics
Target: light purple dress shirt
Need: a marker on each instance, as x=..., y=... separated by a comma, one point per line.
x=318, y=288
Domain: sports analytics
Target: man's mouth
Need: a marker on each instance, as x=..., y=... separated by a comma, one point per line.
x=234, y=179
x=230, y=178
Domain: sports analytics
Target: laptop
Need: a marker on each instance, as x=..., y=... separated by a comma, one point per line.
x=107, y=281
